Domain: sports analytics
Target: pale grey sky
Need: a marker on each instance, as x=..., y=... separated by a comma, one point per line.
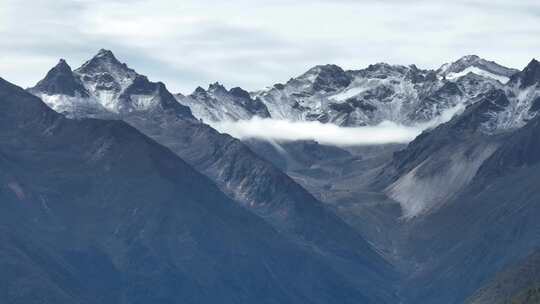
x=254, y=44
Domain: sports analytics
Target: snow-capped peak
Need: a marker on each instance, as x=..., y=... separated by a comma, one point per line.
x=477, y=71
x=103, y=56
x=321, y=69
x=106, y=78
x=104, y=85
x=240, y=93
x=105, y=53
x=476, y=65
x=104, y=62
x=460, y=64
x=326, y=78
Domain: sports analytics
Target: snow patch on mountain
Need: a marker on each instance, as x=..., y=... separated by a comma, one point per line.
x=477, y=71
x=348, y=93
x=519, y=111
x=144, y=102
x=74, y=106
x=490, y=68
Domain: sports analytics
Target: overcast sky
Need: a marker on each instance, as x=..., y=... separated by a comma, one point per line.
x=256, y=43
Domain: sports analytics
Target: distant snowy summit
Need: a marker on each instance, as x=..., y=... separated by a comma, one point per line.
x=219, y=104
x=103, y=85
x=381, y=92
x=476, y=65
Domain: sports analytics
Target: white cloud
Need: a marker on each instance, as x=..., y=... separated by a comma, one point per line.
x=330, y=134
x=327, y=133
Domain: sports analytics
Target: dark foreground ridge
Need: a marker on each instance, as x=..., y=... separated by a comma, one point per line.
x=96, y=212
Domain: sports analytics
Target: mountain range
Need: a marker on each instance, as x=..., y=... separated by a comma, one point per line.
x=381, y=92
x=109, y=175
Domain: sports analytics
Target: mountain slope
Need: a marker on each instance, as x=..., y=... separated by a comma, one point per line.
x=248, y=179
x=418, y=176
x=468, y=188
x=96, y=212
x=441, y=162
x=490, y=224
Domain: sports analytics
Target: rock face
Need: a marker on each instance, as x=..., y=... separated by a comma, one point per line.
x=488, y=225
x=96, y=212
x=245, y=177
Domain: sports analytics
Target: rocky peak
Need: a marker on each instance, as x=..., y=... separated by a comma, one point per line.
x=379, y=66
x=529, y=76
x=199, y=91
x=384, y=70
x=60, y=80
x=475, y=64
x=240, y=93
x=218, y=104
x=533, y=63
x=62, y=66
x=105, y=53
x=469, y=59
x=417, y=75
x=458, y=65
x=104, y=66
x=217, y=87
x=327, y=78
x=107, y=86
x=104, y=58
x=325, y=69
